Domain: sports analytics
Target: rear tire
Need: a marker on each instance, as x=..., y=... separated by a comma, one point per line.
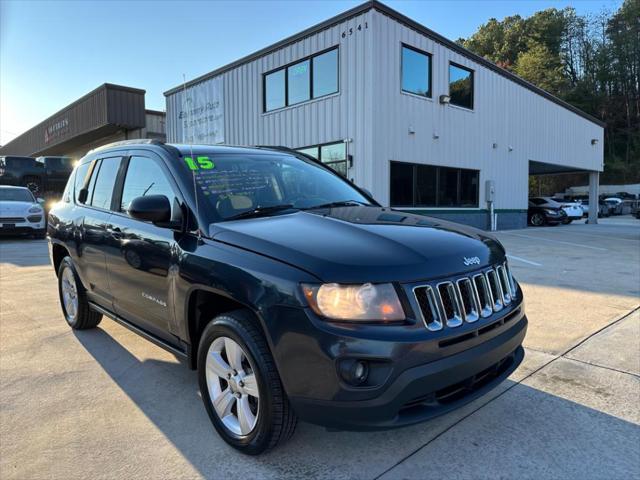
x=272, y=419
x=537, y=220
x=73, y=298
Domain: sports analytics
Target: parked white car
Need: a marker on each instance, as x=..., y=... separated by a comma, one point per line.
x=615, y=205
x=572, y=209
x=20, y=212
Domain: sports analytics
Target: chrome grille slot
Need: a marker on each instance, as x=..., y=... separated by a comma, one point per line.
x=484, y=295
x=12, y=220
x=496, y=290
x=428, y=307
x=504, y=284
x=469, y=301
x=512, y=283
x=449, y=304
x=465, y=299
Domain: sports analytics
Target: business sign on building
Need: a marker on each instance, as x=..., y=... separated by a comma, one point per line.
x=196, y=115
x=55, y=130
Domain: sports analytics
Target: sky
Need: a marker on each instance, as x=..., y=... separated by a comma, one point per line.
x=52, y=52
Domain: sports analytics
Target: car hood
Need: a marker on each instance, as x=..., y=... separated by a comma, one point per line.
x=364, y=244
x=14, y=209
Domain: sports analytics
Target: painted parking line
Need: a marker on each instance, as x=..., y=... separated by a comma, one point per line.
x=608, y=238
x=555, y=241
x=520, y=259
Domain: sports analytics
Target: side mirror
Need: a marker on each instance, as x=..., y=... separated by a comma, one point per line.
x=152, y=208
x=40, y=200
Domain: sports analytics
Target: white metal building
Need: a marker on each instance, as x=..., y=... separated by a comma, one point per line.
x=413, y=117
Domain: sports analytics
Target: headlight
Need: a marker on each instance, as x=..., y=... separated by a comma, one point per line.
x=366, y=302
x=551, y=212
x=35, y=210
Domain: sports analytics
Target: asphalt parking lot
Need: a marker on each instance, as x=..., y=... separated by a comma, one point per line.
x=108, y=404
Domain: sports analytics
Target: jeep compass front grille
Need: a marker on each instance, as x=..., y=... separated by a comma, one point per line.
x=466, y=299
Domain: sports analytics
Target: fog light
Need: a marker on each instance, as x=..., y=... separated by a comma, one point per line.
x=354, y=371
x=34, y=218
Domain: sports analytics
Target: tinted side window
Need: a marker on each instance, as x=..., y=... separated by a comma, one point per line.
x=66, y=195
x=426, y=185
x=104, y=182
x=469, y=188
x=144, y=177
x=81, y=173
x=401, y=184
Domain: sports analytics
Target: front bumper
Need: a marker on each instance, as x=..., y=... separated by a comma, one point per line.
x=426, y=391
x=19, y=228
x=555, y=219
x=418, y=378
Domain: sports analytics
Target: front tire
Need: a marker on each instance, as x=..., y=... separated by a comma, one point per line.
x=73, y=298
x=240, y=386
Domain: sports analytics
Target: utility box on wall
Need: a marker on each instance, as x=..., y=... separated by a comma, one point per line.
x=490, y=190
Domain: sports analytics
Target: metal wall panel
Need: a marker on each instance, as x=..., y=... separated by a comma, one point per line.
x=324, y=120
x=524, y=125
x=371, y=110
x=155, y=122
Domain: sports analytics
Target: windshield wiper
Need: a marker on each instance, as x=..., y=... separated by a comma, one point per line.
x=341, y=203
x=258, y=211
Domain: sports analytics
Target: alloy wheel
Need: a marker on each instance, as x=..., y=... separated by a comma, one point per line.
x=537, y=219
x=69, y=294
x=232, y=386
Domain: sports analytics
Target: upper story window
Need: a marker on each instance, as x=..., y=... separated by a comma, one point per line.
x=312, y=77
x=299, y=82
x=461, y=86
x=416, y=71
x=274, y=90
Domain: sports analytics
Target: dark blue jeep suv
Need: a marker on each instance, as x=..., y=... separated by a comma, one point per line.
x=291, y=291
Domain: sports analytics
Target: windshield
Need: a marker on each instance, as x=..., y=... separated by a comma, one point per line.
x=16, y=195
x=237, y=183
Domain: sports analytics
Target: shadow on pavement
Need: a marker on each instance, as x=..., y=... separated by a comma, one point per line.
x=23, y=251
x=523, y=433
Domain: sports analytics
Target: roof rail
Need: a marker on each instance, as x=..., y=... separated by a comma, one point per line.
x=277, y=147
x=139, y=141
x=282, y=148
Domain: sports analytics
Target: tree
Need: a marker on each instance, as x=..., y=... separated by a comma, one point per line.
x=541, y=67
x=592, y=62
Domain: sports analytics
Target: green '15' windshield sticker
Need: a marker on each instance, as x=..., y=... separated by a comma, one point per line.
x=200, y=163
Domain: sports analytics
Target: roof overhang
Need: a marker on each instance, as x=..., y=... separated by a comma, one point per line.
x=101, y=112
x=542, y=168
